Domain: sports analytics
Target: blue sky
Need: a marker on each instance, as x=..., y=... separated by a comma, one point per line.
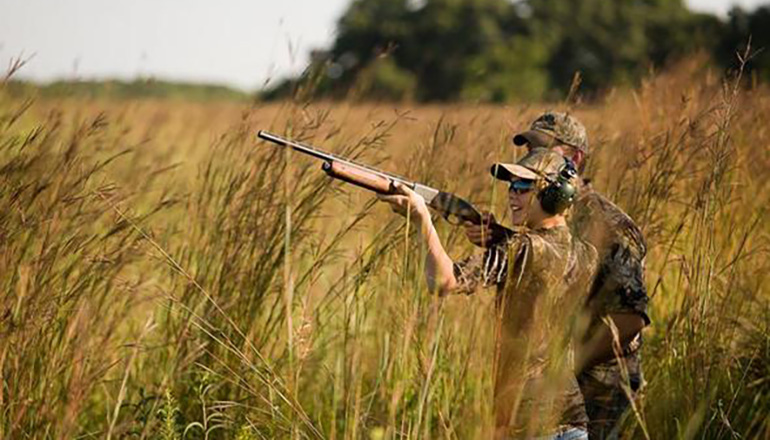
x=241, y=43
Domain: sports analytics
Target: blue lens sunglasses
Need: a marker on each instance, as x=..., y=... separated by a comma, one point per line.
x=521, y=186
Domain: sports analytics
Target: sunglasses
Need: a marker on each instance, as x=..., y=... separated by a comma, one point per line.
x=521, y=186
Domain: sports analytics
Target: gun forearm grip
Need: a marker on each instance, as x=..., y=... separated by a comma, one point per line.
x=358, y=177
x=450, y=205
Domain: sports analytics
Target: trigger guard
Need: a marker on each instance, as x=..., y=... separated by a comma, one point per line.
x=448, y=217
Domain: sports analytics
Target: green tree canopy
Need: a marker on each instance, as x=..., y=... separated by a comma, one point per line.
x=742, y=27
x=504, y=50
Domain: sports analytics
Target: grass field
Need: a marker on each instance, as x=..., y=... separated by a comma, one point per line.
x=165, y=275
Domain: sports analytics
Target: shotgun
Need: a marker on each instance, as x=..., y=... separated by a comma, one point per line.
x=365, y=176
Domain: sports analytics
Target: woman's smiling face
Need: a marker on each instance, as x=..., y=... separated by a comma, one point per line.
x=520, y=193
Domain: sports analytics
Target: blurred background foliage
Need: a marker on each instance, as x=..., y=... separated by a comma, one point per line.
x=503, y=50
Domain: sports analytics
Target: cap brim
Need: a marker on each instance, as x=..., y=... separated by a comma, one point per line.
x=534, y=139
x=507, y=171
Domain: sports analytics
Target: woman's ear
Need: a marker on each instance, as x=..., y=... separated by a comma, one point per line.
x=578, y=157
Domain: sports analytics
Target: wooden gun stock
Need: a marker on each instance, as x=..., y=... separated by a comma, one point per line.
x=359, y=177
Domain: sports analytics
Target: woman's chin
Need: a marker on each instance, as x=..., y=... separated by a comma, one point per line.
x=518, y=220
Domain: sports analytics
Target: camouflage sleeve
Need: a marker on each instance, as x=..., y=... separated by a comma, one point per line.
x=618, y=285
x=487, y=269
x=620, y=280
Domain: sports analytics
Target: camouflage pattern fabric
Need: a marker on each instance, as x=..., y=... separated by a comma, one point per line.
x=617, y=288
x=536, y=391
x=563, y=127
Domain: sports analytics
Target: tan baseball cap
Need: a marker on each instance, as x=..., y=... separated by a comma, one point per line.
x=539, y=163
x=552, y=126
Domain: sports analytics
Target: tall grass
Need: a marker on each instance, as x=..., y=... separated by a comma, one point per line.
x=165, y=275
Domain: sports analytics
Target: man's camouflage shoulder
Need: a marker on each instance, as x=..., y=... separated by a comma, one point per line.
x=593, y=206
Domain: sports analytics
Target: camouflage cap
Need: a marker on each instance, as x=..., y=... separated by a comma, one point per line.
x=539, y=163
x=554, y=125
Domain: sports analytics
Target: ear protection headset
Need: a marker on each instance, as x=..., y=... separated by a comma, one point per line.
x=560, y=193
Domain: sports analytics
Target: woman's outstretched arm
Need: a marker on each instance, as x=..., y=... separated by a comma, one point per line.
x=439, y=269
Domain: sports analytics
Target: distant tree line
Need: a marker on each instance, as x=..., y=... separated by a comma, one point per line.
x=138, y=88
x=503, y=50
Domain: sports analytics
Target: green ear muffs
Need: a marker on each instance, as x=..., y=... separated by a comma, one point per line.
x=559, y=195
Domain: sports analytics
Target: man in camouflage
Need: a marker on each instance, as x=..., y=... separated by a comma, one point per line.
x=617, y=299
x=536, y=391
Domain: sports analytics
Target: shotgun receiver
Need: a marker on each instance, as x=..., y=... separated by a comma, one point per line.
x=446, y=204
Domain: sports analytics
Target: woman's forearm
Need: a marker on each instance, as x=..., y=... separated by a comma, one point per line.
x=439, y=268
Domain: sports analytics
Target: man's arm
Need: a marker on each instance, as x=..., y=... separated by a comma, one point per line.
x=618, y=295
x=598, y=346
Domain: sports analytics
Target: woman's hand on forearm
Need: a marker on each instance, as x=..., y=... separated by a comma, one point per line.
x=405, y=200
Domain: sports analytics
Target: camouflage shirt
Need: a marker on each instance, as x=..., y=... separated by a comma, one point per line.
x=618, y=287
x=535, y=388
